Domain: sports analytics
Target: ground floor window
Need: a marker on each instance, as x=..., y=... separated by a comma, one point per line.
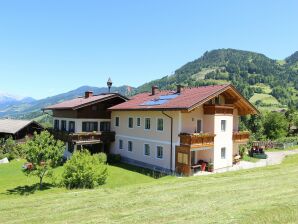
x=120, y=144
x=70, y=147
x=159, y=152
x=147, y=150
x=129, y=146
x=223, y=152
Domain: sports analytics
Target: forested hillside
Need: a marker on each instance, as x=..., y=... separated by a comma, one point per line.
x=250, y=72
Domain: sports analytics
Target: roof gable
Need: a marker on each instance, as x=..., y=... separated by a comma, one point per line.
x=13, y=126
x=188, y=99
x=80, y=102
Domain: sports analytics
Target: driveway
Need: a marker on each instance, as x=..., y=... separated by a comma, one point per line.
x=274, y=158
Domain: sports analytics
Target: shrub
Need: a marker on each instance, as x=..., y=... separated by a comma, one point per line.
x=102, y=157
x=114, y=158
x=84, y=170
x=10, y=149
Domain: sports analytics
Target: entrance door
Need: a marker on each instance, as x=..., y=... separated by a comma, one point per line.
x=199, y=126
x=193, y=158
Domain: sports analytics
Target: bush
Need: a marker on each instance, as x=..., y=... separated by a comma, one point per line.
x=102, y=157
x=114, y=158
x=84, y=170
x=10, y=149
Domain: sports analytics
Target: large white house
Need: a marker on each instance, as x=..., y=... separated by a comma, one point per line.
x=165, y=130
x=177, y=130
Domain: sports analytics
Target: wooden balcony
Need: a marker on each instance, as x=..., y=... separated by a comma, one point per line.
x=241, y=137
x=104, y=137
x=218, y=109
x=196, y=140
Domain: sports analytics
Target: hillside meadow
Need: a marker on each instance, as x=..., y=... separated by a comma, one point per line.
x=263, y=195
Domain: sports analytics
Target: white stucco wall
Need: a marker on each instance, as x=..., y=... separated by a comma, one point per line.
x=139, y=136
x=223, y=139
x=78, y=122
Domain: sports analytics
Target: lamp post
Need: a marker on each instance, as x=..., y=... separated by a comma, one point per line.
x=109, y=84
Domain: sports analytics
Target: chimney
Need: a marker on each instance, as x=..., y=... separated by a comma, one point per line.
x=88, y=94
x=179, y=88
x=153, y=90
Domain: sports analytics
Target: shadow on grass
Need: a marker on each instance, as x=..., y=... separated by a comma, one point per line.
x=151, y=173
x=27, y=190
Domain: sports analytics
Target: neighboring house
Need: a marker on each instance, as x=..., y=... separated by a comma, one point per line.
x=85, y=122
x=173, y=130
x=18, y=129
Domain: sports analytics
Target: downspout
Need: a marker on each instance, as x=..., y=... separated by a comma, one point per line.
x=171, y=162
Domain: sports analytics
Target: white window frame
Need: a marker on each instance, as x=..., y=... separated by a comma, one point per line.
x=145, y=124
x=121, y=145
x=221, y=152
x=132, y=122
x=159, y=118
x=128, y=146
x=225, y=126
x=138, y=119
x=145, y=150
x=157, y=152
x=117, y=118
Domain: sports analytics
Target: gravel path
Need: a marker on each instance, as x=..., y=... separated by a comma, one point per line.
x=274, y=158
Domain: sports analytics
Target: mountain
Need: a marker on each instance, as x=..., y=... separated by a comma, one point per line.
x=7, y=100
x=26, y=109
x=293, y=59
x=252, y=73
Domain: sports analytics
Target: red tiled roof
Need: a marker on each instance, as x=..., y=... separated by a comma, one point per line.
x=82, y=102
x=185, y=100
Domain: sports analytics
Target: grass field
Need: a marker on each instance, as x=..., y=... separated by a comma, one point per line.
x=262, y=195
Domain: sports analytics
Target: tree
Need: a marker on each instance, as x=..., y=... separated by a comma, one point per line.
x=275, y=125
x=84, y=170
x=10, y=149
x=45, y=153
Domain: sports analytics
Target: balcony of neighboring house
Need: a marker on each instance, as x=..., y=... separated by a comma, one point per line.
x=241, y=137
x=195, y=153
x=83, y=138
x=218, y=109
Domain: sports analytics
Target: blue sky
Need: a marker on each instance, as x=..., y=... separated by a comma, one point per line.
x=50, y=47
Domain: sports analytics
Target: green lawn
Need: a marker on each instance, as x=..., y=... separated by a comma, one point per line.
x=262, y=195
x=14, y=183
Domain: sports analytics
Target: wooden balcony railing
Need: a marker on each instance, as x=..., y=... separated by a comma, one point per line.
x=218, y=109
x=241, y=136
x=65, y=136
x=196, y=139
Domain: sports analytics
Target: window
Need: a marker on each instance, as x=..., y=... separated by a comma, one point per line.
x=223, y=152
x=71, y=126
x=70, y=147
x=56, y=124
x=159, y=124
x=63, y=125
x=182, y=158
x=199, y=126
x=129, y=146
x=94, y=108
x=138, y=122
x=223, y=125
x=147, y=123
x=117, y=121
x=159, y=152
x=120, y=144
x=105, y=126
x=130, y=122
x=90, y=126
x=147, y=150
